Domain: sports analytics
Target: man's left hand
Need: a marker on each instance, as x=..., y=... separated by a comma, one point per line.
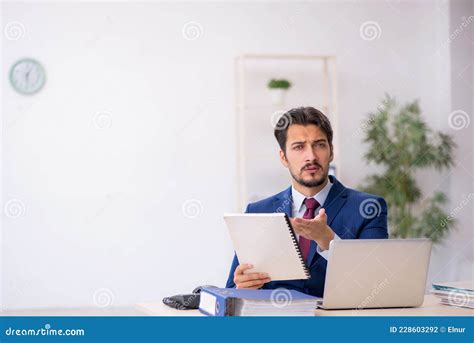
x=315, y=229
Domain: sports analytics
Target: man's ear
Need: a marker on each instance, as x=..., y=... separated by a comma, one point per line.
x=283, y=159
x=331, y=157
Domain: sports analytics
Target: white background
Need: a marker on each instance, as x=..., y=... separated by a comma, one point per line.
x=135, y=121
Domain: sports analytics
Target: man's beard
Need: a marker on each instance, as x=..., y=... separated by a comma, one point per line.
x=311, y=183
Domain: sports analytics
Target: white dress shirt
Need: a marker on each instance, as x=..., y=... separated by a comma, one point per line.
x=299, y=208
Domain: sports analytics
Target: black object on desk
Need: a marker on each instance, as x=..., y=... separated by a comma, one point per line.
x=185, y=301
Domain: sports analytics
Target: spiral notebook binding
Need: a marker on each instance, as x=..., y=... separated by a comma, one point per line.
x=297, y=246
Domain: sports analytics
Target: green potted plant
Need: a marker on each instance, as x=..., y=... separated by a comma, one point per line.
x=278, y=89
x=401, y=143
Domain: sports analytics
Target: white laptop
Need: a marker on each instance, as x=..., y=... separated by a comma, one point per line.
x=376, y=273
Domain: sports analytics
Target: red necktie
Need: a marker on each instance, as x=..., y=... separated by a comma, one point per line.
x=311, y=205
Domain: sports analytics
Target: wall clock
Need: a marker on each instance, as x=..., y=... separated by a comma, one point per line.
x=27, y=76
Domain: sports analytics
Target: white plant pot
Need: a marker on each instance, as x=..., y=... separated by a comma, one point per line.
x=278, y=96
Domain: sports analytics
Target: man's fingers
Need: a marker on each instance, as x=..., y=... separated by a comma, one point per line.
x=240, y=277
x=253, y=283
x=254, y=276
x=322, y=214
x=301, y=229
x=303, y=223
x=242, y=267
x=251, y=276
x=255, y=287
x=298, y=230
x=308, y=225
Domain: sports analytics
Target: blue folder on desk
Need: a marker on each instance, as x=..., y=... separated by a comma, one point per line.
x=261, y=302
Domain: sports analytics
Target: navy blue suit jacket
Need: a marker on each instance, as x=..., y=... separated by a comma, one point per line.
x=350, y=215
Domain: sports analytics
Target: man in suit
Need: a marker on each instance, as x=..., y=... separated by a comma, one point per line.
x=320, y=208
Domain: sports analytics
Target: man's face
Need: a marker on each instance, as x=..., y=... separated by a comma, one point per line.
x=308, y=155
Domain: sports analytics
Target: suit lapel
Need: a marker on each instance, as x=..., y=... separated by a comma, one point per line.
x=333, y=204
x=335, y=200
x=284, y=202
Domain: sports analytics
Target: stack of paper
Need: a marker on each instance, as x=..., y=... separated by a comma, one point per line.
x=250, y=307
x=455, y=293
x=260, y=302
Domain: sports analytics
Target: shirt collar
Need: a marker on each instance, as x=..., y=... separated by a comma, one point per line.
x=298, y=198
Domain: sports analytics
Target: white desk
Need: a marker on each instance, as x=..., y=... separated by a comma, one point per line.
x=431, y=307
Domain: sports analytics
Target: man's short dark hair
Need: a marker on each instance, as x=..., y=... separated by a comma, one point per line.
x=302, y=116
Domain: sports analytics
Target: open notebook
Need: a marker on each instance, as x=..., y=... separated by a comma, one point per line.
x=267, y=241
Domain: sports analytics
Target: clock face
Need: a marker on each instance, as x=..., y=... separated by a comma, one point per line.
x=27, y=76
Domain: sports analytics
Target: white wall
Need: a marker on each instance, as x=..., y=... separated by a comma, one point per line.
x=103, y=206
x=455, y=257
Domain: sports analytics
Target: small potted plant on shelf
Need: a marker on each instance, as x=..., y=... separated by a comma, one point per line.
x=278, y=89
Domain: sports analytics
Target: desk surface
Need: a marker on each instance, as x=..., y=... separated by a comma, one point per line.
x=431, y=307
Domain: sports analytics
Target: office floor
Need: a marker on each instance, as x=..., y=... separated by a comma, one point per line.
x=125, y=311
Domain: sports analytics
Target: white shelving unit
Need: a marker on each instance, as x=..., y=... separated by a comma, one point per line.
x=317, y=88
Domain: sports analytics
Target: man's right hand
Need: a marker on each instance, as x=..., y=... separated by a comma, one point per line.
x=249, y=280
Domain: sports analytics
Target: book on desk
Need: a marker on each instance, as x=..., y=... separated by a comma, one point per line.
x=460, y=294
x=262, y=302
